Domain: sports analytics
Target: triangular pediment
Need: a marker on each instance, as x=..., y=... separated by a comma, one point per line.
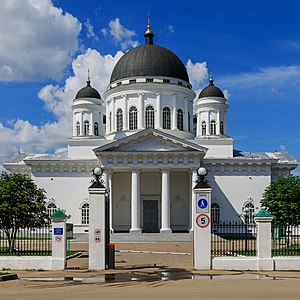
x=150, y=140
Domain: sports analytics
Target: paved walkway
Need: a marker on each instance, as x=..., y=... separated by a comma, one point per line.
x=149, y=276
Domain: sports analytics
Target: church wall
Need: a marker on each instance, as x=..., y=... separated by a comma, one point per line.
x=151, y=183
x=179, y=200
x=121, y=197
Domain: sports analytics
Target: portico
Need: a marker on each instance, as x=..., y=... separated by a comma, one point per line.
x=150, y=190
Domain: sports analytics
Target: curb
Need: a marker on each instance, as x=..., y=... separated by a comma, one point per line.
x=8, y=277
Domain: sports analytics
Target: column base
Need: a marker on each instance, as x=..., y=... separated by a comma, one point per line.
x=191, y=230
x=135, y=231
x=165, y=230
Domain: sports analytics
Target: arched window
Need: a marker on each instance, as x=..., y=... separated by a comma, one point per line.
x=149, y=117
x=51, y=208
x=166, y=118
x=189, y=122
x=222, y=127
x=213, y=127
x=96, y=129
x=77, y=128
x=180, y=119
x=110, y=128
x=119, y=119
x=215, y=213
x=85, y=213
x=248, y=212
x=132, y=118
x=86, y=128
x=203, y=127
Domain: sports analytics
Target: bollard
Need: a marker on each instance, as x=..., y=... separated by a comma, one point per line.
x=111, y=256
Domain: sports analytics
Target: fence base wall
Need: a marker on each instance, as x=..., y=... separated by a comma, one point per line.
x=257, y=264
x=26, y=262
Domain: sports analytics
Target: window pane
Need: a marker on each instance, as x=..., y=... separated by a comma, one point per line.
x=203, y=128
x=132, y=118
x=166, y=118
x=85, y=214
x=150, y=117
x=213, y=127
x=180, y=119
x=119, y=119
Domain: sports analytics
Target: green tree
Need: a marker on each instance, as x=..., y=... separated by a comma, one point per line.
x=22, y=205
x=282, y=199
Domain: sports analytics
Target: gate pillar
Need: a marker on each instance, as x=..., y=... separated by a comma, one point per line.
x=202, y=222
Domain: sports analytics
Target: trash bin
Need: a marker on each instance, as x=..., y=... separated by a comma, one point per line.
x=111, y=256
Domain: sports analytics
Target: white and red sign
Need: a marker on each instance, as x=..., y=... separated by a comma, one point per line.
x=97, y=235
x=58, y=238
x=203, y=220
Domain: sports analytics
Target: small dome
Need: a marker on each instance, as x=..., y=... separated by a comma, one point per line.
x=88, y=92
x=149, y=60
x=211, y=90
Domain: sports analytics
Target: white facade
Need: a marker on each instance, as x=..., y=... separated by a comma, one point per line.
x=150, y=155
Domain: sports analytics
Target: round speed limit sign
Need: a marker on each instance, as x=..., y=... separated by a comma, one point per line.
x=203, y=220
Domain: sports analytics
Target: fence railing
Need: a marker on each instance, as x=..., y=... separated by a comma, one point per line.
x=28, y=241
x=285, y=240
x=233, y=239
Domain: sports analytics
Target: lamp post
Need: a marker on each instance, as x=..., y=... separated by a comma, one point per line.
x=202, y=181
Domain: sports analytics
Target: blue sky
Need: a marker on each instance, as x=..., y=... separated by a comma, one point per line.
x=46, y=47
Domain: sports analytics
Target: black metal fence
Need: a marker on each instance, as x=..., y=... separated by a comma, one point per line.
x=285, y=240
x=29, y=241
x=233, y=239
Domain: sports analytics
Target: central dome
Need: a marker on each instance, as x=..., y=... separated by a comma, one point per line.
x=149, y=60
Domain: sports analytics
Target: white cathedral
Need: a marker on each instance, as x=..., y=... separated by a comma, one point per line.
x=150, y=133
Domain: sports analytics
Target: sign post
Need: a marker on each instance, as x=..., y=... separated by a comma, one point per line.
x=202, y=224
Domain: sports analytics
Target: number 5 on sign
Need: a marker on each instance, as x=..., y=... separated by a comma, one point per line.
x=203, y=220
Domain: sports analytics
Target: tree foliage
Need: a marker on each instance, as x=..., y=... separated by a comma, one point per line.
x=22, y=205
x=282, y=199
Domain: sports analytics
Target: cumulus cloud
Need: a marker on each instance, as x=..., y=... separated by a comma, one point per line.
x=197, y=73
x=21, y=134
x=90, y=30
x=38, y=40
x=120, y=35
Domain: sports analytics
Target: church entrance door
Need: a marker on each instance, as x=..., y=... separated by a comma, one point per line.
x=150, y=216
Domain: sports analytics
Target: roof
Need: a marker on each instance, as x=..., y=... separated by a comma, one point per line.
x=211, y=90
x=149, y=60
x=88, y=92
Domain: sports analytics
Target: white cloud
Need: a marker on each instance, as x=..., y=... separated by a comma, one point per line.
x=171, y=28
x=20, y=134
x=197, y=74
x=120, y=35
x=38, y=40
x=90, y=30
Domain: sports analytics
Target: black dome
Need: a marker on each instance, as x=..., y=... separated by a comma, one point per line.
x=149, y=60
x=211, y=90
x=88, y=92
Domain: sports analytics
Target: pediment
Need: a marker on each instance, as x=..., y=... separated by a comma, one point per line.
x=150, y=140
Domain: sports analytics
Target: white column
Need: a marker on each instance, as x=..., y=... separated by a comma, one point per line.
x=193, y=178
x=186, y=115
x=59, y=241
x=218, y=122
x=198, y=128
x=97, y=228
x=125, y=114
x=113, y=116
x=81, y=123
x=158, y=110
x=141, y=112
x=225, y=122
x=91, y=131
x=174, y=114
x=135, y=202
x=165, y=202
x=208, y=123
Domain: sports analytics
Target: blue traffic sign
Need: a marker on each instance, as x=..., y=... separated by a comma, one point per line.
x=58, y=231
x=202, y=203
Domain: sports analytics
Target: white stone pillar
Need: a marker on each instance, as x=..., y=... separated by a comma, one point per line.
x=158, y=110
x=141, y=112
x=125, y=115
x=264, y=240
x=202, y=231
x=218, y=123
x=59, y=240
x=208, y=123
x=110, y=174
x=193, y=180
x=174, y=114
x=97, y=234
x=91, y=131
x=198, y=128
x=113, y=116
x=135, y=202
x=165, y=202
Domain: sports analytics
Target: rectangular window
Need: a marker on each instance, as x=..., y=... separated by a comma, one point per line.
x=132, y=81
x=166, y=80
x=179, y=82
x=149, y=79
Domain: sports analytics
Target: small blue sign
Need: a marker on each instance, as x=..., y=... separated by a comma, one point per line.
x=58, y=231
x=202, y=203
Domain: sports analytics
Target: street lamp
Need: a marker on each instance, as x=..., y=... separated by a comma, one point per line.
x=97, y=173
x=202, y=181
